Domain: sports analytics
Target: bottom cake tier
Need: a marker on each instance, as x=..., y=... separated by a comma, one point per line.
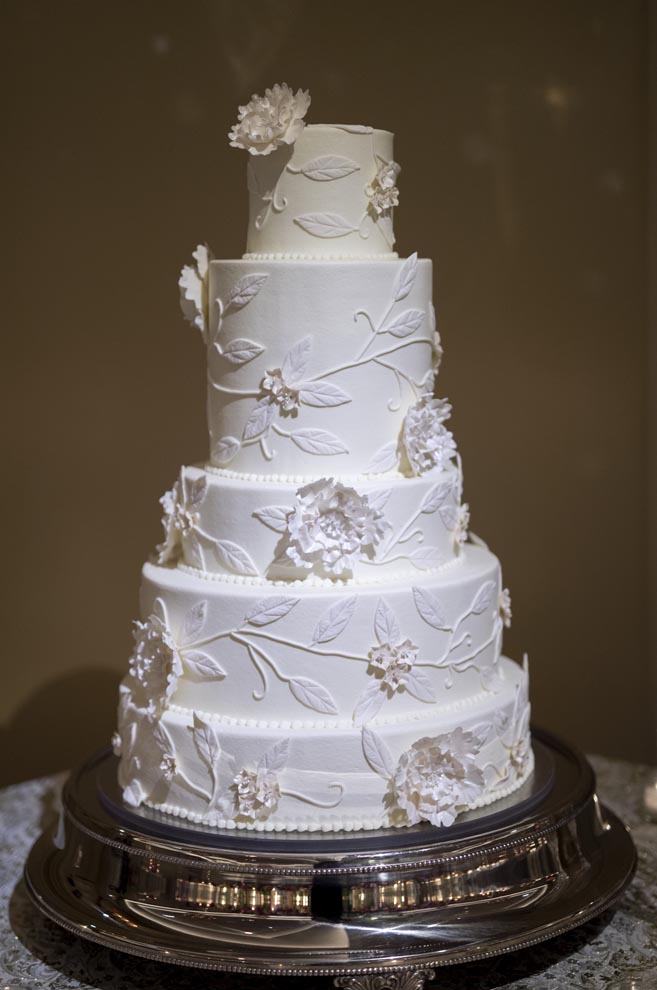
x=425, y=766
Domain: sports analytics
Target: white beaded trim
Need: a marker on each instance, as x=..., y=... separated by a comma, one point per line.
x=297, y=256
x=313, y=581
x=298, y=725
x=335, y=824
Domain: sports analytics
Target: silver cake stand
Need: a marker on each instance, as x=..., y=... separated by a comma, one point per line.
x=370, y=909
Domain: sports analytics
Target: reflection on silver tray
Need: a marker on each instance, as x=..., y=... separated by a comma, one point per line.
x=544, y=860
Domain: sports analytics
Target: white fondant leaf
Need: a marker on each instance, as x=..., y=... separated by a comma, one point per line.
x=484, y=597
x=244, y=290
x=162, y=738
x=194, y=621
x=419, y=685
x=196, y=491
x=296, y=360
x=406, y=323
x=323, y=394
x=325, y=224
x=328, y=167
x=276, y=756
x=235, y=558
x=203, y=666
x=369, y=703
x=269, y=610
x=193, y=552
x=242, y=350
x=335, y=620
x=378, y=500
x=260, y=419
x=355, y=128
x=429, y=608
x=406, y=278
x=386, y=626
x=377, y=753
x=318, y=442
x=450, y=516
x=225, y=449
x=206, y=742
x=274, y=516
x=435, y=497
x=313, y=695
x=425, y=557
x=133, y=794
x=385, y=459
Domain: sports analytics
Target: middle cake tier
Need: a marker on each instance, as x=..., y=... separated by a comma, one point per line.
x=372, y=529
x=334, y=654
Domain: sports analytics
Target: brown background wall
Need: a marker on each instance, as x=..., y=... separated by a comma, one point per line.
x=523, y=133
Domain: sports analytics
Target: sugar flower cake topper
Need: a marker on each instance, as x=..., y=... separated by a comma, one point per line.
x=269, y=121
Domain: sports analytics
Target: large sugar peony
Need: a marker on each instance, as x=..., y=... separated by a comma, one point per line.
x=427, y=442
x=332, y=527
x=269, y=121
x=437, y=778
x=155, y=664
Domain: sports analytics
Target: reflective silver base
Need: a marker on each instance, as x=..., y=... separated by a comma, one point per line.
x=534, y=865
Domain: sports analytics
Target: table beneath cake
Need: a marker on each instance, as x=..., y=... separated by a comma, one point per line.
x=616, y=951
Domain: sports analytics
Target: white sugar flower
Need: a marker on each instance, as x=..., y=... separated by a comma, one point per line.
x=437, y=778
x=504, y=603
x=332, y=527
x=168, y=766
x=427, y=442
x=257, y=793
x=193, y=284
x=382, y=190
x=155, y=664
x=181, y=517
x=462, y=523
x=269, y=121
x=391, y=664
x=277, y=390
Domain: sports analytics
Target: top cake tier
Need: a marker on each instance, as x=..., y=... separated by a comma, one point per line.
x=330, y=194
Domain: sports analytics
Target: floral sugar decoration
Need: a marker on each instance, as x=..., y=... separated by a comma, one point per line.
x=437, y=778
x=332, y=527
x=269, y=121
x=427, y=441
x=193, y=285
x=382, y=191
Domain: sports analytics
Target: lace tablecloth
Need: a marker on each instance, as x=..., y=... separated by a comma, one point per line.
x=617, y=951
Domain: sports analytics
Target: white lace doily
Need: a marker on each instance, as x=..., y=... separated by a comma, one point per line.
x=617, y=951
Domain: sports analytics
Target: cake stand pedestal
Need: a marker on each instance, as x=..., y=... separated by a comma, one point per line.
x=370, y=909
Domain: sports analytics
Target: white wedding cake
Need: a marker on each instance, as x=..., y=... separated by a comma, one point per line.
x=320, y=641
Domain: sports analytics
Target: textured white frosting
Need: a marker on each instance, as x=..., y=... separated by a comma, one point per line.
x=322, y=176
x=334, y=307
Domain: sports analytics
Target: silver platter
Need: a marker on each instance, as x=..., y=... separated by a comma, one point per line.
x=545, y=860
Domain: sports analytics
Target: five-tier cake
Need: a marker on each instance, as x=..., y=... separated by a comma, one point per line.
x=320, y=641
